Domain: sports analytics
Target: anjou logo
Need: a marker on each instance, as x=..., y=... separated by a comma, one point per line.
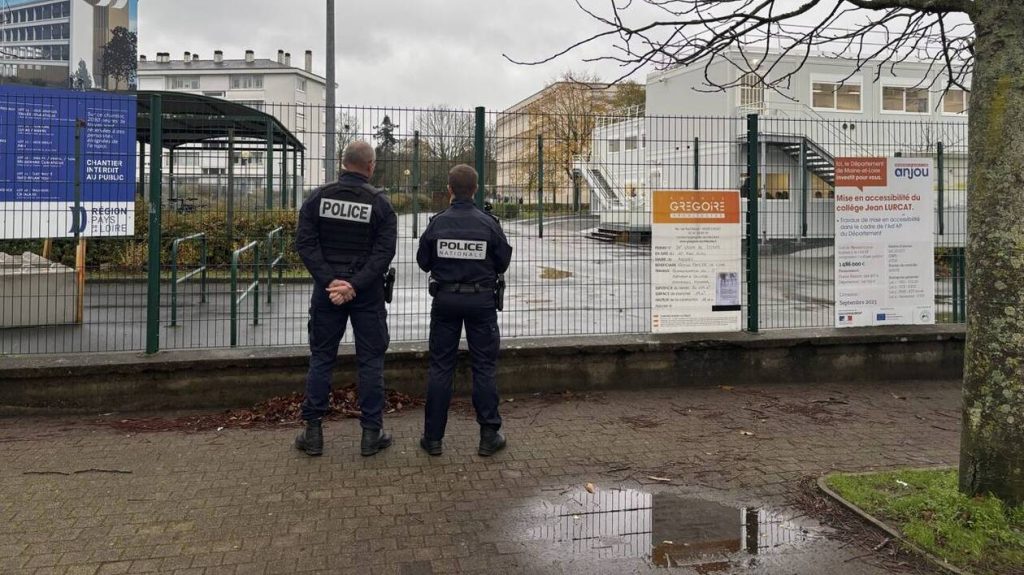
x=910, y=173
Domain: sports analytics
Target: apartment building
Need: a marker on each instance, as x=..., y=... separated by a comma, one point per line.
x=43, y=42
x=291, y=93
x=565, y=113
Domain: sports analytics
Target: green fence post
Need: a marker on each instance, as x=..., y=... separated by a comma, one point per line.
x=256, y=284
x=284, y=175
x=416, y=184
x=696, y=163
x=76, y=220
x=954, y=264
x=962, y=255
x=804, y=191
x=202, y=276
x=174, y=283
x=753, y=276
x=269, y=200
x=295, y=178
x=478, y=150
x=939, y=152
x=141, y=188
x=234, y=298
x=170, y=173
x=231, y=189
x=540, y=186
x=156, y=146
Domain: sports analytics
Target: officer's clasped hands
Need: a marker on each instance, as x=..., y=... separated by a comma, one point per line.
x=340, y=292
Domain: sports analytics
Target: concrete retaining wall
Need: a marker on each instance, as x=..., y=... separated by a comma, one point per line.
x=241, y=377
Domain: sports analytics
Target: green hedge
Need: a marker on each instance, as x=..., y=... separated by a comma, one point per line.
x=130, y=253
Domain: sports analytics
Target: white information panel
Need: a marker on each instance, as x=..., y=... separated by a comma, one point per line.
x=885, y=243
x=696, y=263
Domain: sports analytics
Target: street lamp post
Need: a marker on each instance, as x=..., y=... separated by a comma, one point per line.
x=331, y=153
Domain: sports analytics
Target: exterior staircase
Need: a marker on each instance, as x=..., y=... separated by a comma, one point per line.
x=816, y=159
x=601, y=185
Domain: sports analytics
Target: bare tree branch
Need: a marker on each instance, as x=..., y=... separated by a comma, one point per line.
x=757, y=38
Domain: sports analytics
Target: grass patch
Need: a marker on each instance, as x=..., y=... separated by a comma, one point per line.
x=978, y=534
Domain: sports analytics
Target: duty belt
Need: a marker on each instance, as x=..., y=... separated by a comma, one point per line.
x=479, y=287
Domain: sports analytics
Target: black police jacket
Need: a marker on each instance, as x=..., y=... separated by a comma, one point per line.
x=464, y=244
x=347, y=230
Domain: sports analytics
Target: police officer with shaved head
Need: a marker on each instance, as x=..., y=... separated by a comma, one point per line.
x=465, y=251
x=346, y=237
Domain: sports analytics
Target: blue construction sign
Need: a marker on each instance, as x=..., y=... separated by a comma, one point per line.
x=67, y=163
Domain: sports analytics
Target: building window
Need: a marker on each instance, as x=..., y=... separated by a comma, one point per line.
x=905, y=100
x=630, y=142
x=300, y=120
x=834, y=96
x=300, y=84
x=247, y=82
x=956, y=102
x=254, y=104
x=183, y=83
x=614, y=145
x=751, y=92
x=214, y=94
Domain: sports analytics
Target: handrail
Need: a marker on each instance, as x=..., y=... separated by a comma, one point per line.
x=253, y=288
x=276, y=262
x=813, y=114
x=175, y=280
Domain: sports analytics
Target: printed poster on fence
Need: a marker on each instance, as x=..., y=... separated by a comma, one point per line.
x=67, y=163
x=884, y=262
x=696, y=264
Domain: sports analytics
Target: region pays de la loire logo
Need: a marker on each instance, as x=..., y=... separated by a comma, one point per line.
x=78, y=220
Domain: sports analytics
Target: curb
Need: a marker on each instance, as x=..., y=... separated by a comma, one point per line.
x=895, y=533
x=237, y=377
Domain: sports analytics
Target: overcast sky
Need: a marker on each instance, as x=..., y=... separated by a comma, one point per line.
x=389, y=52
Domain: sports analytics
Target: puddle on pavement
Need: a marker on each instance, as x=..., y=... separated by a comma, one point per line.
x=664, y=530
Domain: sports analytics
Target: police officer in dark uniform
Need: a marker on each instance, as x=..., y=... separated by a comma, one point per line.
x=464, y=250
x=346, y=237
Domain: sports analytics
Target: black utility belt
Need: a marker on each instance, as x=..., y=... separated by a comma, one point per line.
x=463, y=287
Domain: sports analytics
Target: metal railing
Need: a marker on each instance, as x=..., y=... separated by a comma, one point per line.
x=274, y=261
x=175, y=280
x=252, y=289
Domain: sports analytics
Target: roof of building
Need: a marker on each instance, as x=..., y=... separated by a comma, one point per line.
x=259, y=64
x=191, y=118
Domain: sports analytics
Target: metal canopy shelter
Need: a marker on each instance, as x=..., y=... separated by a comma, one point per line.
x=193, y=119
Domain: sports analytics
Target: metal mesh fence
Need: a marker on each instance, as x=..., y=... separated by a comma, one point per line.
x=572, y=192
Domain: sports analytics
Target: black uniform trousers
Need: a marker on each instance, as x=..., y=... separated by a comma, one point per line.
x=449, y=313
x=327, y=323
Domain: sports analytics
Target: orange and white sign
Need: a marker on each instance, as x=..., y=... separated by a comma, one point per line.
x=696, y=207
x=696, y=263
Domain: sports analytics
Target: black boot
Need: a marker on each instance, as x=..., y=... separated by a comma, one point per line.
x=432, y=447
x=311, y=440
x=373, y=441
x=491, y=442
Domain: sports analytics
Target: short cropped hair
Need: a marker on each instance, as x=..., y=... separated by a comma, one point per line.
x=462, y=180
x=358, y=154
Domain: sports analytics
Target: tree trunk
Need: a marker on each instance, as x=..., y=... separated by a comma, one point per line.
x=992, y=444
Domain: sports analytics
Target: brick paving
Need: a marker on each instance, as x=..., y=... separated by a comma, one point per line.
x=80, y=498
